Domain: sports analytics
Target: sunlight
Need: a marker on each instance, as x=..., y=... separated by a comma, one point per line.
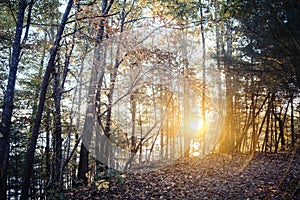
x=195, y=149
x=196, y=123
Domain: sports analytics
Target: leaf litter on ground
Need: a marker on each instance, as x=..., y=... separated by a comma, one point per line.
x=216, y=176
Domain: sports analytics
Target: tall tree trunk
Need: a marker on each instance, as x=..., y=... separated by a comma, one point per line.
x=228, y=142
x=281, y=123
x=256, y=141
x=84, y=153
x=162, y=131
x=9, y=100
x=133, y=119
x=57, y=133
x=204, y=66
x=172, y=130
x=266, y=139
x=253, y=108
x=108, y=121
x=141, y=134
x=272, y=132
x=78, y=115
x=167, y=131
x=37, y=123
x=292, y=120
x=186, y=100
x=58, y=88
x=47, y=148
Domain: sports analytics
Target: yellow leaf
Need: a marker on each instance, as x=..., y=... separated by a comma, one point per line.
x=106, y=185
x=103, y=184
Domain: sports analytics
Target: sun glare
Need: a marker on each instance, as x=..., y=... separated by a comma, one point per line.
x=196, y=123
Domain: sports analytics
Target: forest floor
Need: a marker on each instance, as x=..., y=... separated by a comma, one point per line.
x=216, y=176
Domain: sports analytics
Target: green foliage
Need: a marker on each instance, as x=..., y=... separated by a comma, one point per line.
x=56, y=196
x=231, y=8
x=7, y=28
x=105, y=176
x=183, y=10
x=263, y=26
x=46, y=10
x=7, y=23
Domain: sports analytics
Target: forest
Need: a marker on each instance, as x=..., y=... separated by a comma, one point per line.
x=149, y=99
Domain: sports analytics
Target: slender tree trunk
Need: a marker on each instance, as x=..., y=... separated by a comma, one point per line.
x=167, y=139
x=162, y=131
x=281, y=123
x=292, y=120
x=108, y=120
x=272, y=132
x=133, y=120
x=186, y=101
x=47, y=148
x=253, y=108
x=203, y=109
x=78, y=115
x=256, y=141
x=172, y=131
x=37, y=123
x=275, y=135
x=58, y=88
x=9, y=100
x=141, y=134
x=266, y=139
x=57, y=133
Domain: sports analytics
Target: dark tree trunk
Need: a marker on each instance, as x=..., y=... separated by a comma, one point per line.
x=84, y=153
x=266, y=138
x=292, y=121
x=204, y=67
x=83, y=164
x=163, y=129
x=58, y=88
x=108, y=120
x=281, y=123
x=9, y=100
x=57, y=133
x=267, y=114
x=133, y=120
x=78, y=121
x=36, y=127
x=47, y=148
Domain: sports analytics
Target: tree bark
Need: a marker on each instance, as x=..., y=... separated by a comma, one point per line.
x=9, y=100
x=293, y=135
x=204, y=67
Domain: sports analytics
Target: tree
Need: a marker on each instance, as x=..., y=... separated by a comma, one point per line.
x=83, y=166
x=262, y=56
x=37, y=122
x=9, y=99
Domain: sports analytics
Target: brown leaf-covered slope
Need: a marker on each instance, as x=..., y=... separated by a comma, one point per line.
x=262, y=176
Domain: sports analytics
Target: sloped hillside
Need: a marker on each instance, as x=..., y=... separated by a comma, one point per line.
x=262, y=176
